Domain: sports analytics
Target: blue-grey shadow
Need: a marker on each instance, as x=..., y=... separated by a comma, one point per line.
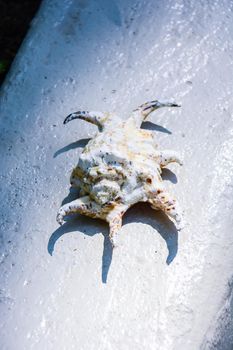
x=106, y=257
x=143, y=213
x=87, y=227
x=73, y=145
x=72, y=195
x=167, y=174
x=154, y=127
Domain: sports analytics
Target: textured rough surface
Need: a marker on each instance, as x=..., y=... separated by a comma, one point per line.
x=119, y=167
x=164, y=290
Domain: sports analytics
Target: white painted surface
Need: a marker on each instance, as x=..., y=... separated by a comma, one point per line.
x=164, y=291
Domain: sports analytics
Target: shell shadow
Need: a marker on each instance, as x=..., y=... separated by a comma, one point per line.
x=87, y=227
x=140, y=212
x=143, y=213
x=167, y=174
x=154, y=127
x=72, y=195
x=73, y=145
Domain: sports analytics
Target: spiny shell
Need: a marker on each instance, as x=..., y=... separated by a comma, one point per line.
x=119, y=167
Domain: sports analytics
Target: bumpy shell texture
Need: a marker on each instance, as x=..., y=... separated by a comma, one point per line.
x=119, y=167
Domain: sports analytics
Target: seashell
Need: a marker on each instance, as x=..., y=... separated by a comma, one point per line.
x=119, y=167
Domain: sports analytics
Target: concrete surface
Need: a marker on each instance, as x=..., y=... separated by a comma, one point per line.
x=63, y=288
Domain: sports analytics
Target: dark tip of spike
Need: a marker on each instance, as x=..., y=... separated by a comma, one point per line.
x=67, y=119
x=145, y=108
